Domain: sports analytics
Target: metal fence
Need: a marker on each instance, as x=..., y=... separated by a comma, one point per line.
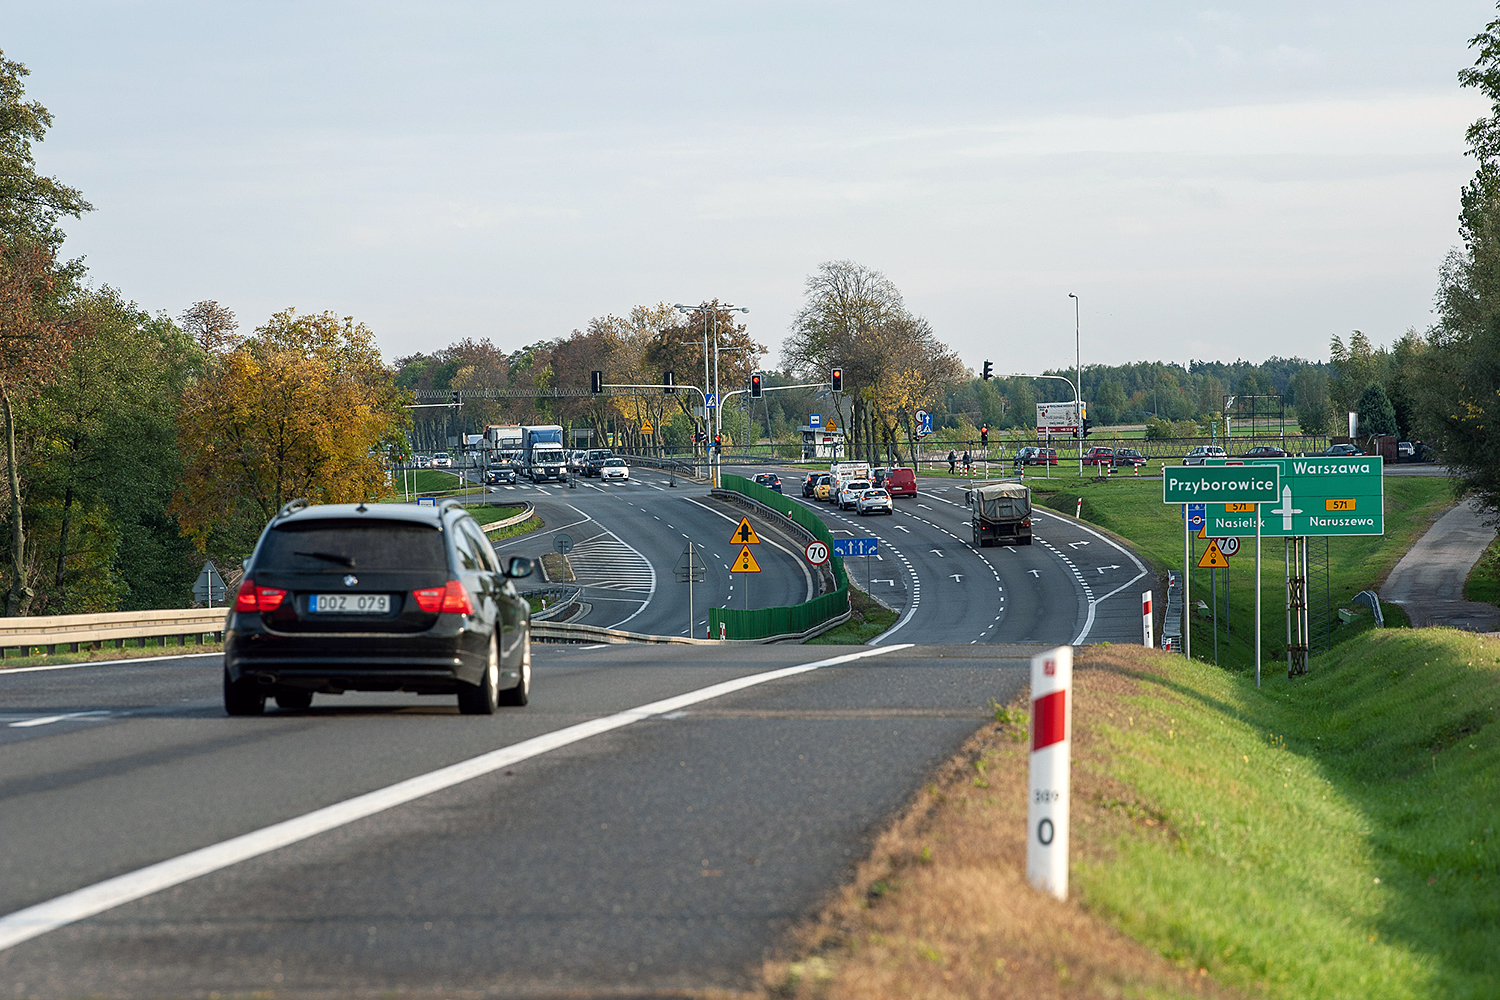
x=796, y=619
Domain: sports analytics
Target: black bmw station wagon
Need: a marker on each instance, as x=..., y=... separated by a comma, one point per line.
x=377, y=597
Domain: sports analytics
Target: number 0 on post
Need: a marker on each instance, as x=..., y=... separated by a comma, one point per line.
x=1051, y=770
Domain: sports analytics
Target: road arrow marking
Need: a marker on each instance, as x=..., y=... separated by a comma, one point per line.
x=1035, y=573
x=1103, y=568
x=899, y=528
x=1074, y=545
x=939, y=553
x=958, y=577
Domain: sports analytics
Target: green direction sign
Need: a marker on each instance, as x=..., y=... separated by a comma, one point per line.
x=1223, y=484
x=1318, y=496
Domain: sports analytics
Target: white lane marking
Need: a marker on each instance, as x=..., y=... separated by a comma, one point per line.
x=47, y=720
x=7, y=671
x=650, y=594
x=33, y=921
x=600, y=645
x=1141, y=570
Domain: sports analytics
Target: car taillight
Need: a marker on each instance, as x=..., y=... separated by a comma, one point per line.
x=253, y=598
x=450, y=599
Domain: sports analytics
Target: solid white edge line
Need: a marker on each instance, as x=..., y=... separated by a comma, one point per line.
x=34, y=921
x=1089, y=621
x=6, y=671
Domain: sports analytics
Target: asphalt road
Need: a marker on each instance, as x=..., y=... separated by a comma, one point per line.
x=670, y=849
x=1072, y=585
x=627, y=539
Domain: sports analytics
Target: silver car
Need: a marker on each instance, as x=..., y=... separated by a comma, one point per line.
x=614, y=469
x=874, y=502
x=1203, y=452
x=850, y=491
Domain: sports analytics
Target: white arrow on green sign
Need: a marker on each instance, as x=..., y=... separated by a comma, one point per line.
x=1223, y=484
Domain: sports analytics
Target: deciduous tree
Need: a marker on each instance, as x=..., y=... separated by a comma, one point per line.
x=305, y=408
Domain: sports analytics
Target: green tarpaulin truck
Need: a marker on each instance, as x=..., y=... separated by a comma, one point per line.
x=1000, y=512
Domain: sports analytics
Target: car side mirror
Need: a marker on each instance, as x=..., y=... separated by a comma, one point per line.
x=518, y=566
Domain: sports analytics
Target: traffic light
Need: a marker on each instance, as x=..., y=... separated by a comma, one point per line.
x=838, y=380
x=755, y=386
x=596, y=382
x=669, y=380
x=984, y=435
x=989, y=371
x=1087, y=423
x=719, y=443
x=453, y=399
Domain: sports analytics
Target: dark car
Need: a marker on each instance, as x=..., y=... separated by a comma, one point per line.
x=769, y=480
x=377, y=597
x=1341, y=450
x=498, y=474
x=1265, y=451
x=810, y=483
x=1031, y=455
x=1129, y=457
x=597, y=458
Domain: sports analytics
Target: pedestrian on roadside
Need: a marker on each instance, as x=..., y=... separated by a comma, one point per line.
x=968, y=465
x=952, y=461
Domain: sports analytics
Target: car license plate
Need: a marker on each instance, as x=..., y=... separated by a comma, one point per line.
x=349, y=604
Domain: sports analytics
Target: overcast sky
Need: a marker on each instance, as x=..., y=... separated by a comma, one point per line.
x=1213, y=182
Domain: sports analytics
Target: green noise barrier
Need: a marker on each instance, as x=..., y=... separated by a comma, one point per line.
x=763, y=623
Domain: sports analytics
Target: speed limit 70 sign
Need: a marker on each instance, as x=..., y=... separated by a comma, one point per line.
x=816, y=552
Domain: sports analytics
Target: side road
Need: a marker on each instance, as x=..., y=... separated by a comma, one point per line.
x=1428, y=582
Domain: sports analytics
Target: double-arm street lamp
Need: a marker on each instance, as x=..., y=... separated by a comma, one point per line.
x=715, y=409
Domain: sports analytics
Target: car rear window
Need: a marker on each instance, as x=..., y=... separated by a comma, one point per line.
x=341, y=546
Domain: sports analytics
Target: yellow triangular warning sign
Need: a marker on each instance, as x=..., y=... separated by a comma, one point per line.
x=1212, y=558
x=745, y=562
x=744, y=534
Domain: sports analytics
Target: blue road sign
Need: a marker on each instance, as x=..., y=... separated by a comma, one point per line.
x=815, y=421
x=847, y=547
x=1197, y=514
x=713, y=400
x=426, y=501
x=924, y=423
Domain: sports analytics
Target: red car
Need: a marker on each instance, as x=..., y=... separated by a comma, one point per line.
x=1099, y=456
x=901, y=483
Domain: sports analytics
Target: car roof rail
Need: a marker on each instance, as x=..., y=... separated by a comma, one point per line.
x=292, y=506
x=451, y=504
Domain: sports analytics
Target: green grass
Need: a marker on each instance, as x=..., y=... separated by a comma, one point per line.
x=1334, y=836
x=1133, y=509
x=866, y=621
x=527, y=526
x=1483, y=583
x=141, y=647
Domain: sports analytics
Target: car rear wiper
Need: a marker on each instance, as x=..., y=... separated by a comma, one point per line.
x=332, y=557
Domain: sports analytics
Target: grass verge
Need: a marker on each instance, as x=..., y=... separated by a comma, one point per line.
x=1329, y=837
x=867, y=619
x=526, y=527
x=1483, y=583
x=110, y=653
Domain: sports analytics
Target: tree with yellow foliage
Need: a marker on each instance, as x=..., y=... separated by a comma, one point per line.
x=305, y=408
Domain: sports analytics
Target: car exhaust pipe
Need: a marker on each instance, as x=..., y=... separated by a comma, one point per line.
x=265, y=678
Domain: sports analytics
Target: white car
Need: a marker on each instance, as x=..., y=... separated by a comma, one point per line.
x=850, y=491
x=874, y=502
x=442, y=461
x=615, y=469
x=1203, y=452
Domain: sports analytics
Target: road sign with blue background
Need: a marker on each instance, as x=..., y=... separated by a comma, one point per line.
x=924, y=423
x=712, y=399
x=815, y=421
x=1197, y=514
x=1317, y=496
x=847, y=547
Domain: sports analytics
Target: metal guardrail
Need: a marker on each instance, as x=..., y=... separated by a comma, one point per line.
x=49, y=632
x=505, y=522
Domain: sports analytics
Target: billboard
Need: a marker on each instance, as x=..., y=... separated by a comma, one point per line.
x=1058, y=418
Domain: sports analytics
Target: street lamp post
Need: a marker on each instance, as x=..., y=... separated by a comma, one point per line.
x=1078, y=360
x=715, y=414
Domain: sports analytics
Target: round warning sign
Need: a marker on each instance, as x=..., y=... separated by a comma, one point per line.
x=1229, y=546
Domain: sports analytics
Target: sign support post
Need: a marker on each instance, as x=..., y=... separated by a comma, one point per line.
x=1047, y=806
x=1257, y=594
x=1147, y=639
x=1187, y=576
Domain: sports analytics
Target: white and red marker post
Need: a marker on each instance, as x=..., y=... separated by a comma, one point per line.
x=1051, y=770
x=1148, y=637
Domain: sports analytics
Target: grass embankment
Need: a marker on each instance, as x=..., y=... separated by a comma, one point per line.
x=491, y=514
x=867, y=619
x=1483, y=583
x=142, y=648
x=1133, y=510
x=1333, y=836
